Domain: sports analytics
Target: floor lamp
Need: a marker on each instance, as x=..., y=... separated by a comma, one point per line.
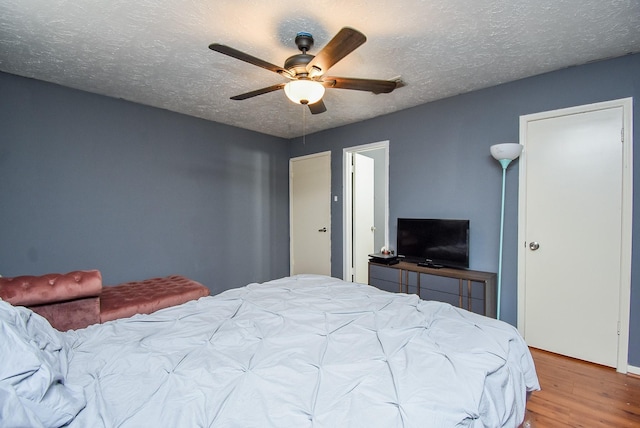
x=503, y=153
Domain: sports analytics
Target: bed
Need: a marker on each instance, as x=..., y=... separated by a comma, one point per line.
x=301, y=351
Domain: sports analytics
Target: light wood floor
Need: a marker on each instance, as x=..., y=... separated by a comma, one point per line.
x=580, y=394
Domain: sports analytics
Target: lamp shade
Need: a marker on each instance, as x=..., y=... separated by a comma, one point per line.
x=304, y=91
x=508, y=151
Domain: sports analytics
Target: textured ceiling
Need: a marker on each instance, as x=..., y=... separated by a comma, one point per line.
x=155, y=52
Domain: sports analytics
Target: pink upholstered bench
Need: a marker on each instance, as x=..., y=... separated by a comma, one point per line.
x=69, y=301
x=145, y=297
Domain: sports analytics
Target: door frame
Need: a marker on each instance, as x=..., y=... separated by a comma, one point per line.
x=347, y=209
x=627, y=215
x=300, y=158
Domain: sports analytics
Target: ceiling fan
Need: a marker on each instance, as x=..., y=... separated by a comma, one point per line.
x=307, y=72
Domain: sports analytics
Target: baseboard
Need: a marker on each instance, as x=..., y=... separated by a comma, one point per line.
x=633, y=370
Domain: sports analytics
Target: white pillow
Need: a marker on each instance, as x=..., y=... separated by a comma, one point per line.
x=33, y=371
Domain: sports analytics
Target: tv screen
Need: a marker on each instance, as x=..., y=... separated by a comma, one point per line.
x=437, y=241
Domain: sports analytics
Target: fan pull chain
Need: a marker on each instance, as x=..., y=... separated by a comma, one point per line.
x=304, y=125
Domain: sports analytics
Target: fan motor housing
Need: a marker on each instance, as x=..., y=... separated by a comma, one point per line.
x=297, y=64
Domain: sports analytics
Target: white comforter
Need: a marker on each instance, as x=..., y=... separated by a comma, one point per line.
x=305, y=351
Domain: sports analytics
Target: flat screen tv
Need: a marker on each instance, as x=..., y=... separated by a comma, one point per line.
x=440, y=242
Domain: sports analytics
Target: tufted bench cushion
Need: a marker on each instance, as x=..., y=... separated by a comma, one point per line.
x=67, y=301
x=150, y=295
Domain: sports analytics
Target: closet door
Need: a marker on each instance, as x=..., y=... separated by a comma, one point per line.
x=571, y=233
x=310, y=214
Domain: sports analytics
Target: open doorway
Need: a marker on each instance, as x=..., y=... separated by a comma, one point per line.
x=366, y=206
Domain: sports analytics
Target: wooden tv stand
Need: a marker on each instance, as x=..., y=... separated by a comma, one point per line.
x=467, y=289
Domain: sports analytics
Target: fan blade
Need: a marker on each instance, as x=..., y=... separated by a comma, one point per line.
x=371, y=85
x=317, y=107
x=234, y=53
x=258, y=92
x=342, y=44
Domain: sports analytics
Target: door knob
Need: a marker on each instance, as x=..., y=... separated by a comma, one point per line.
x=324, y=229
x=534, y=246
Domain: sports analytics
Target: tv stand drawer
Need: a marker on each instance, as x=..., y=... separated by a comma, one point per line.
x=467, y=289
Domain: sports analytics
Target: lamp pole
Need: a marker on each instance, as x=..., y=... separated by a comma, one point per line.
x=503, y=153
x=505, y=163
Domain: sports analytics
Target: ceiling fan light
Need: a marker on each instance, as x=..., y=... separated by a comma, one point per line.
x=304, y=91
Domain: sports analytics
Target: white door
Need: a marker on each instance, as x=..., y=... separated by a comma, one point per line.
x=310, y=214
x=379, y=152
x=571, y=225
x=363, y=215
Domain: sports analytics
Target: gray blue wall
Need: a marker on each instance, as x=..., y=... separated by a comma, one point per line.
x=440, y=164
x=93, y=182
